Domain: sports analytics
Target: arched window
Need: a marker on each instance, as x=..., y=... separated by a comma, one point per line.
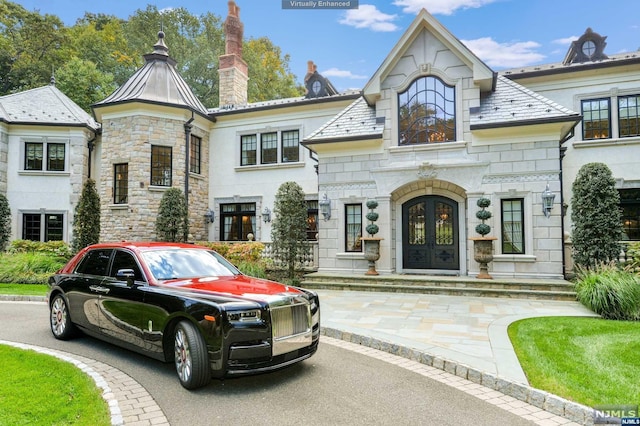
x=427, y=112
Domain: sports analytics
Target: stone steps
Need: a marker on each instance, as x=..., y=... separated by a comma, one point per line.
x=462, y=286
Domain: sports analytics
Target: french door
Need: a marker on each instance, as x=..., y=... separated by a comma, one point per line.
x=430, y=233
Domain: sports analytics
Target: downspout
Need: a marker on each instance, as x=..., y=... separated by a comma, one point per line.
x=187, y=136
x=91, y=144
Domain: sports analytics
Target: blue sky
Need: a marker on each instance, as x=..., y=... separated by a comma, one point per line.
x=349, y=45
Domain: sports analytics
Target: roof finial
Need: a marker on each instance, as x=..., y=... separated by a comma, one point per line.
x=52, y=82
x=161, y=48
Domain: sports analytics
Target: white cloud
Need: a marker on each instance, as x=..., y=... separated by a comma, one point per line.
x=565, y=41
x=505, y=55
x=335, y=72
x=368, y=16
x=439, y=7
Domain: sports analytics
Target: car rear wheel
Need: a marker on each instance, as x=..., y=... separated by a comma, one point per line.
x=191, y=357
x=61, y=325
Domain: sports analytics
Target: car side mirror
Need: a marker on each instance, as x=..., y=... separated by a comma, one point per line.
x=126, y=275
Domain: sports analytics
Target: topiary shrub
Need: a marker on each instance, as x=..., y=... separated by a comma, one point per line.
x=5, y=222
x=172, y=224
x=483, y=214
x=596, y=216
x=86, y=218
x=372, y=216
x=289, y=227
x=609, y=291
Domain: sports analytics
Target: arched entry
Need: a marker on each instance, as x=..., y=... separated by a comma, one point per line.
x=430, y=233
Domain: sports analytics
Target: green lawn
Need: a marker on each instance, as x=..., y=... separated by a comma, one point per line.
x=39, y=389
x=24, y=289
x=588, y=360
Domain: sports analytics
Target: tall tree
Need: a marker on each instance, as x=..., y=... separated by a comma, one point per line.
x=5, y=221
x=289, y=228
x=86, y=220
x=32, y=47
x=596, y=216
x=81, y=81
x=172, y=223
x=269, y=74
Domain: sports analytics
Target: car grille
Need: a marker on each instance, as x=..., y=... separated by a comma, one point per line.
x=291, y=327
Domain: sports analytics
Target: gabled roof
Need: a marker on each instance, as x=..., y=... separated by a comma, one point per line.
x=159, y=82
x=45, y=105
x=513, y=105
x=357, y=121
x=482, y=74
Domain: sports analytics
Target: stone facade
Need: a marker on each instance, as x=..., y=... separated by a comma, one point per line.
x=128, y=139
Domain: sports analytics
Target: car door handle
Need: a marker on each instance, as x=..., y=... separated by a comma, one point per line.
x=99, y=289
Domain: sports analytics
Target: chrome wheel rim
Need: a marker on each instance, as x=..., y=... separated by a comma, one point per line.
x=58, y=316
x=182, y=356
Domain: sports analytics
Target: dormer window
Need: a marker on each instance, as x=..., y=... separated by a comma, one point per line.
x=426, y=112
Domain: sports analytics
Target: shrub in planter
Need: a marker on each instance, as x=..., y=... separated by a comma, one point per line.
x=609, y=292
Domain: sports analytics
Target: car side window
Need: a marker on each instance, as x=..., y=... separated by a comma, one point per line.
x=95, y=262
x=124, y=260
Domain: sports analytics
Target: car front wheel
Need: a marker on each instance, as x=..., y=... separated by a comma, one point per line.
x=191, y=357
x=61, y=325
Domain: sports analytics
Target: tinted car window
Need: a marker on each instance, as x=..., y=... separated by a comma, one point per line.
x=182, y=263
x=95, y=262
x=124, y=260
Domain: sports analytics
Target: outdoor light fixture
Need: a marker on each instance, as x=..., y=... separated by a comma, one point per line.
x=547, y=201
x=325, y=207
x=266, y=215
x=209, y=216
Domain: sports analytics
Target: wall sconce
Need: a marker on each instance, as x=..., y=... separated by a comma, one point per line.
x=209, y=216
x=547, y=201
x=325, y=207
x=266, y=215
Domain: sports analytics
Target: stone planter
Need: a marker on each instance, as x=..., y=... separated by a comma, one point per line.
x=483, y=254
x=371, y=253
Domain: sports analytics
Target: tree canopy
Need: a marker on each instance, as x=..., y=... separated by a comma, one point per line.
x=100, y=52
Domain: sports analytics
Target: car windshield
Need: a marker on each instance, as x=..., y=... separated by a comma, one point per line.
x=184, y=263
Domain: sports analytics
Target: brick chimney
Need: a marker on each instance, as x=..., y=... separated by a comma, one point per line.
x=232, y=70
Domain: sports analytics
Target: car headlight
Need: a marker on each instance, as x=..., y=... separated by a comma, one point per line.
x=248, y=316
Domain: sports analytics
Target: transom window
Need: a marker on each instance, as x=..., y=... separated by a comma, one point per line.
x=426, y=112
x=353, y=231
x=47, y=156
x=513, y=226
x=121, y=183
x=283, y=145
x=596, y=123
x=238, y=221
x=161, y=165
x=43, y=226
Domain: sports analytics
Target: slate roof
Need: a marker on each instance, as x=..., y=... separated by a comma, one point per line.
x=44, y=105
x=357, y=121
x=513, y=104
x=158, y=81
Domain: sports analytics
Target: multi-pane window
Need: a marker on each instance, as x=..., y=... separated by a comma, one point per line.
x=44, y=156
x=312, y=219
x=238, y=221
x=596, y=122
x=248, y=147
x=269, y=148
x=353, y=231
x=274, y=145
x=121, y=183
x=512, y=226
x=55, y=157
x=427, y=112
x=42, y=227
x=630, y=203
x=629, y=116
x=290, y=146
x=160, y=165
x=195, y=154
